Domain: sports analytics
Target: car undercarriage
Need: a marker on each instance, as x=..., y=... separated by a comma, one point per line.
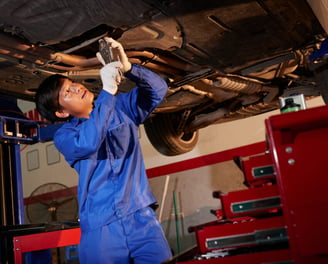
x=223, y=60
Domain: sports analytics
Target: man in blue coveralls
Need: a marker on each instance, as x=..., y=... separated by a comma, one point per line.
x=100, y=141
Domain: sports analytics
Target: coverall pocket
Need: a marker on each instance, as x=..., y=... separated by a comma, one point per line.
x=118, y=140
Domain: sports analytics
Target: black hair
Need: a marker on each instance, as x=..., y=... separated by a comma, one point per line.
x=46, y=98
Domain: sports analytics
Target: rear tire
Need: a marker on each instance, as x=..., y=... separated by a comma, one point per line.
x=162, y=132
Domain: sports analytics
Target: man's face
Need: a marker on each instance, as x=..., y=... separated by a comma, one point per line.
x=75, y=100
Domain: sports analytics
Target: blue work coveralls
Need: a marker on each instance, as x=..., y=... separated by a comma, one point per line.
x=116, y=221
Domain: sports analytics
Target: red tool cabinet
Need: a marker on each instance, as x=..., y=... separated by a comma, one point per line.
x=290, y=177
x=298, y=142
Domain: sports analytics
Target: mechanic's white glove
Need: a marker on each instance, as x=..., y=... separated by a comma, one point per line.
x=110, y=76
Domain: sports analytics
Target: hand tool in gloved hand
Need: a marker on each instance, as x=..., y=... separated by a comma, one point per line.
x=106, y=51
x=108, y=55
x=118, y=53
